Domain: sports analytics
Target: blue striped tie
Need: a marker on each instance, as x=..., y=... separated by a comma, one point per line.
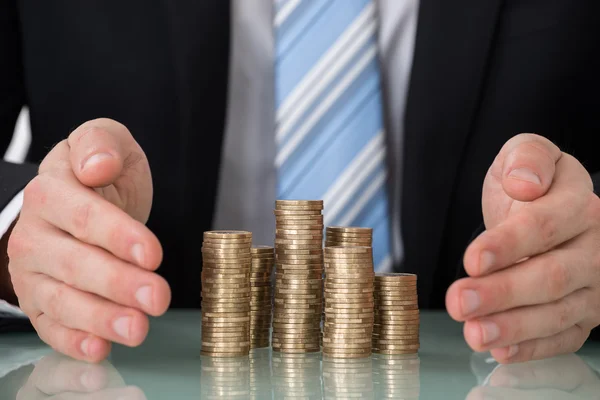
x=329, y=128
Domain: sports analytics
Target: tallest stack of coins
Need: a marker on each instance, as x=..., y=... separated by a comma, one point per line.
x=226, y=260
x=298, y=276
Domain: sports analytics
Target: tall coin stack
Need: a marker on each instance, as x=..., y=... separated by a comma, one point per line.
x=261, y=293
x=396, y=327
x=298, y=276
x=349, y=302
x=348, y=236
x=225, y=304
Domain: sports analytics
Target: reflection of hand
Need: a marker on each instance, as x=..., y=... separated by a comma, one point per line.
x=562, y=377
x=60, y=377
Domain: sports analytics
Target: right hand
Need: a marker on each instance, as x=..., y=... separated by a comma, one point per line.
x=81, y=257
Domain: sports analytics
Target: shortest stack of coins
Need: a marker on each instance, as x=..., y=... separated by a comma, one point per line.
x=298, y=276
x=226, y=261
x=349, y=302
x=348, y=236
x=261, y=293
x=396, y=327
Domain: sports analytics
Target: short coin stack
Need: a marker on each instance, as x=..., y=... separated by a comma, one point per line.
x=226, y=293
x=348, y=236
x=349, y=302
x=396, y=327
x=396, y=376
x=298, y=276
x=261, y=293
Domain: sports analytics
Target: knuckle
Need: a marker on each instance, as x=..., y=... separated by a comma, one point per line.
x=55, y=302
x=558, y=278
x=34, y=191
x=564, y=313
x=18, y=245
x=80, y=222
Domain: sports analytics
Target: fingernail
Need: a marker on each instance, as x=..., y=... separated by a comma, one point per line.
x=122, y=326
x=137, y=252
x=85, y=346
x=470, y=301
x=486, y=261
x=489, y=331
x=512, y=350
x=525, y=174
x=144, y=296
x=94, y=159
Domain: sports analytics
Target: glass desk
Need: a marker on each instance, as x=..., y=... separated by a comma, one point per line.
x=168, y=367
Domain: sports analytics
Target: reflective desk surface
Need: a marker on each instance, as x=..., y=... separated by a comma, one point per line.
x=168, y=366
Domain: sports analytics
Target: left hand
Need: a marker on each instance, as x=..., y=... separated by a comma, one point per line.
x=534, y=285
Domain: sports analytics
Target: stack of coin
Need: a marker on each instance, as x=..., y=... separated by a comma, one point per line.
x=226, y=260
x=261, y=293
x=348, y=378
x=348, y=236
x=260, y=374
x=296, y=376
x=298, y=276
x=396, y=327
x=396, y=376
x=224, y=378
x=349, y=303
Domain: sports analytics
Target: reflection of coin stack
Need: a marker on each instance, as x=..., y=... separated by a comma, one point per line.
x=298, y=276
x=224, y=378
x=396, y=327
x=350, y=378
x=297, y=376
x=348, y=326
x=261, y=307
x=348, y=236
x=226, y=293
x=396, y=376
x=260, y=374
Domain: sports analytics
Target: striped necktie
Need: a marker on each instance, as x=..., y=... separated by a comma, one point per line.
x=329, y=126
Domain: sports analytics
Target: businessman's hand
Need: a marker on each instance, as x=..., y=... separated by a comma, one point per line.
x=534, y=285
x=81, y=257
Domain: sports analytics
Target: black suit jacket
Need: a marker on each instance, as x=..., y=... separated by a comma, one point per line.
x=483, y=71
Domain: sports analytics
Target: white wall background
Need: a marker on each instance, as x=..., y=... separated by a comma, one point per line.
x=21, y=139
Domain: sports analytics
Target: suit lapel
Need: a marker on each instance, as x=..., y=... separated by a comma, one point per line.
x=449, y=66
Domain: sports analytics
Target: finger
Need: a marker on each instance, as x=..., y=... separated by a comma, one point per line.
x=564, y=372
x=567, y=210
x=554, y=275
x=57, y=373
x=89, y=313
x=99, y=149
x=568, y=341
x=526, y=323
x=528, y=166
x=88, y=217
x=484, y=393
x=125, y=393
x=72, y=342
x=94, y=270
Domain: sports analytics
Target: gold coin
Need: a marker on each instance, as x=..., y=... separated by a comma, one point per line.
x=348, y=250
x=296, y=247
x=350, y=229
x=285, y=212
x=247, y=241
x=312, y=218
x=286, y=257
x=396, y=276
x=344, y=235
x=224, y=234
x=317, y=208
x=218, y=276
x=298, y=203
x=261, y=249
x=350, y=292
x=284, y=251
x=315, y=241
x=315, y=261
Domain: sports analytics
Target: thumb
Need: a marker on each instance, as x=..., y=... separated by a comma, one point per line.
x=98, y=149
x=528, y=166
